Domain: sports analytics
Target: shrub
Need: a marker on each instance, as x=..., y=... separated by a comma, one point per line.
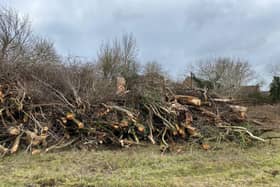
x=275, y=89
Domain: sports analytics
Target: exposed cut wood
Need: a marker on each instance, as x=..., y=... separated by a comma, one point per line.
x=223, y=100
x=123, y=120
x=34, y=139
x=121, y=85
x=205, y=146
x=36, y=151
x=188, y=100
x=14, y=131
x=70, y=116
x=241, y=110
x=237, y=108
x=192, y=131
x=16, y=144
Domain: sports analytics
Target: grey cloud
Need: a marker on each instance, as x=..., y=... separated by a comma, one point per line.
x=174, y=32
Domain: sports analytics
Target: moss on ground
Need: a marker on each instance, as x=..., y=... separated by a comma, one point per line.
x=227, y=165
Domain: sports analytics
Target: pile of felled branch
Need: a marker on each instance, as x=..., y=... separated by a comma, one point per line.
x=124, y=120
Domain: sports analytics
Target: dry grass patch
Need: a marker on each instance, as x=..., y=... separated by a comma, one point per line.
x=145, y=166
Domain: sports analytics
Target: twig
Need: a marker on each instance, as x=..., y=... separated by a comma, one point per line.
x=243, y=129
x=57, y=146
x=128, y=113
x=60, y=95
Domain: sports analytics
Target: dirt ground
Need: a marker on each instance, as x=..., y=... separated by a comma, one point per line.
x=267, y=114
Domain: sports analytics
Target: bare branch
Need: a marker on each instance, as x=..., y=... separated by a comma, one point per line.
x=15, y=34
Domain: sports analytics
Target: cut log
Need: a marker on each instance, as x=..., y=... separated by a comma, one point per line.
x=1, y=97
x=70, y=116
x=79, y=124
x=192, y=131
x=36, y=151
x=205, y=146
x=121, y=83
x=33, y=139
x=237, y=108
x=209, y=113
x=188, y=100
x=223, y=100
x=16, y=144
x=14, y=131
x=241, y=110
x=175, y=106
x=189, y=119
x=124, y=123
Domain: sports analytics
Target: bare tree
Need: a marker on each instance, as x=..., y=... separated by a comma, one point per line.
x=43, y=51
x=109, y=60
x=153, y=67
x=15, y=34
x=119, y=58
x=225, y=74
x=129, y=54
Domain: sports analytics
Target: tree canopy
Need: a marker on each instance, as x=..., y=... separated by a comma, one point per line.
x=275, y=89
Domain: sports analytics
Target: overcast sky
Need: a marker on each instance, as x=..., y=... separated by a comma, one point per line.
x=173, y=32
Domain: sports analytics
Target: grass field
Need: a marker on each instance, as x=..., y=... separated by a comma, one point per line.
x=227, y=165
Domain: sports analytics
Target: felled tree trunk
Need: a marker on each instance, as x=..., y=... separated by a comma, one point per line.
x=188, y=100
x=121, y=84
x=241, y=110
x=223, y=100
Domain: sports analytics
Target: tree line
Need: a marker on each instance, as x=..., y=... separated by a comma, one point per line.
x=22, y=51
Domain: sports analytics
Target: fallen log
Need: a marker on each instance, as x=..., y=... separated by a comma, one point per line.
x=16, y=144
x=188, y=100
x=209, y=113
x=223, y=100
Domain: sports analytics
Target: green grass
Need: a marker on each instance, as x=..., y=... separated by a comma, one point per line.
x=145, y=166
